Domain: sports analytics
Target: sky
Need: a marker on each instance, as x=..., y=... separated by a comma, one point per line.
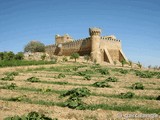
x=135, y=22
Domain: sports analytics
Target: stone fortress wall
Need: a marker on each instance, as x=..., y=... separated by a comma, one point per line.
x=106, y=48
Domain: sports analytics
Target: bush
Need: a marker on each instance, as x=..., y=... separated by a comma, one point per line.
x=74, y=100
x=33, y=79
x=61, y=75
x=34, y=46
x=75, y=56
x=127, y=95
x=101, y=84
x=104, y=71
x=19, y=56
x=65, y=59
x=158, y=98
x=87, y=77
x=30, y=116
x=82, y=73
x=111, y=79
x=145, y=74
x=11, y=86
x=138, y=85
x=77, y=92
x=8, y=78
x=12, y=73
x=43, y=57
x=74, y=103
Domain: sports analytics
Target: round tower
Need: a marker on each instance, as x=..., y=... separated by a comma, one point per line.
x=95, y=35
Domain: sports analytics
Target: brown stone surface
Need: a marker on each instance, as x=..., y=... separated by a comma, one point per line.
x=101, y=49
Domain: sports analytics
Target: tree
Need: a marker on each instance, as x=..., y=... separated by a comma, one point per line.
x=75, y=56
x=1, y=55
x=123, y=62
x=139, y=64
x=9, y=55
x=19, y=56
x=34, y=46
x=87, y=57
x=130, y=63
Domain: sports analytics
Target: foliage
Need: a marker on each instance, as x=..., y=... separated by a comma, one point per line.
x=74, y=103
x=123, y=62
x=120, y=70
x=75, y=68
x=43, y=57
x=130, y=63
x=127, y=95
x=158, y=98
x=139, y=64
x=87, y=57
x=12, y=73
x=30, y=116
x=61, y=75
x=10, y=63
x=87, y=77
x=82, y=73
x=65, y=59
x=145, y=74
x=19, y=98
x=19, y=56
x=101, y=84
x=8, y=78
x=77, y=92
x=33, y=79
x=111, y=79
x=74, y=100
x=11, y=86
x=103, y=71
x=138, y=85
x=34, y=46
x=74, y=56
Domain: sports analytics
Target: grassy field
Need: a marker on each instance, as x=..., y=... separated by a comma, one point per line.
x=79, y=91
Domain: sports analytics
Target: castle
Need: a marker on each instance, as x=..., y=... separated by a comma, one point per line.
x=101, y=49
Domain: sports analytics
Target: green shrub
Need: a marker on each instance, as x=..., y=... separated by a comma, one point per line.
x=75, y=68
x=145, y=74
x=19, y=98
x=101, y=84
x=122, y=71
x=158, y=98
x=127, y=95
x=82, y=73
x=11, y=86
x=77, y=92
x=33, y=79
x=138, y=85
x=12, y=73
x=8, y=78
x=87, y=77
x=74, y=103
x=103, y=71
x=30, y=116
x=61, y=75
x=65, y=59
x=111, y=79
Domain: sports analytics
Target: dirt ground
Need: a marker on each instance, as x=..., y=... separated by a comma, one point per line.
x=11, y=108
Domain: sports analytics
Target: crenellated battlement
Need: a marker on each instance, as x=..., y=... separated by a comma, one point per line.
x=110, y=39
x=100, y=48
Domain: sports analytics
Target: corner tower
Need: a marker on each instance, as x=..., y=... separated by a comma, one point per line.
x=95, y=36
